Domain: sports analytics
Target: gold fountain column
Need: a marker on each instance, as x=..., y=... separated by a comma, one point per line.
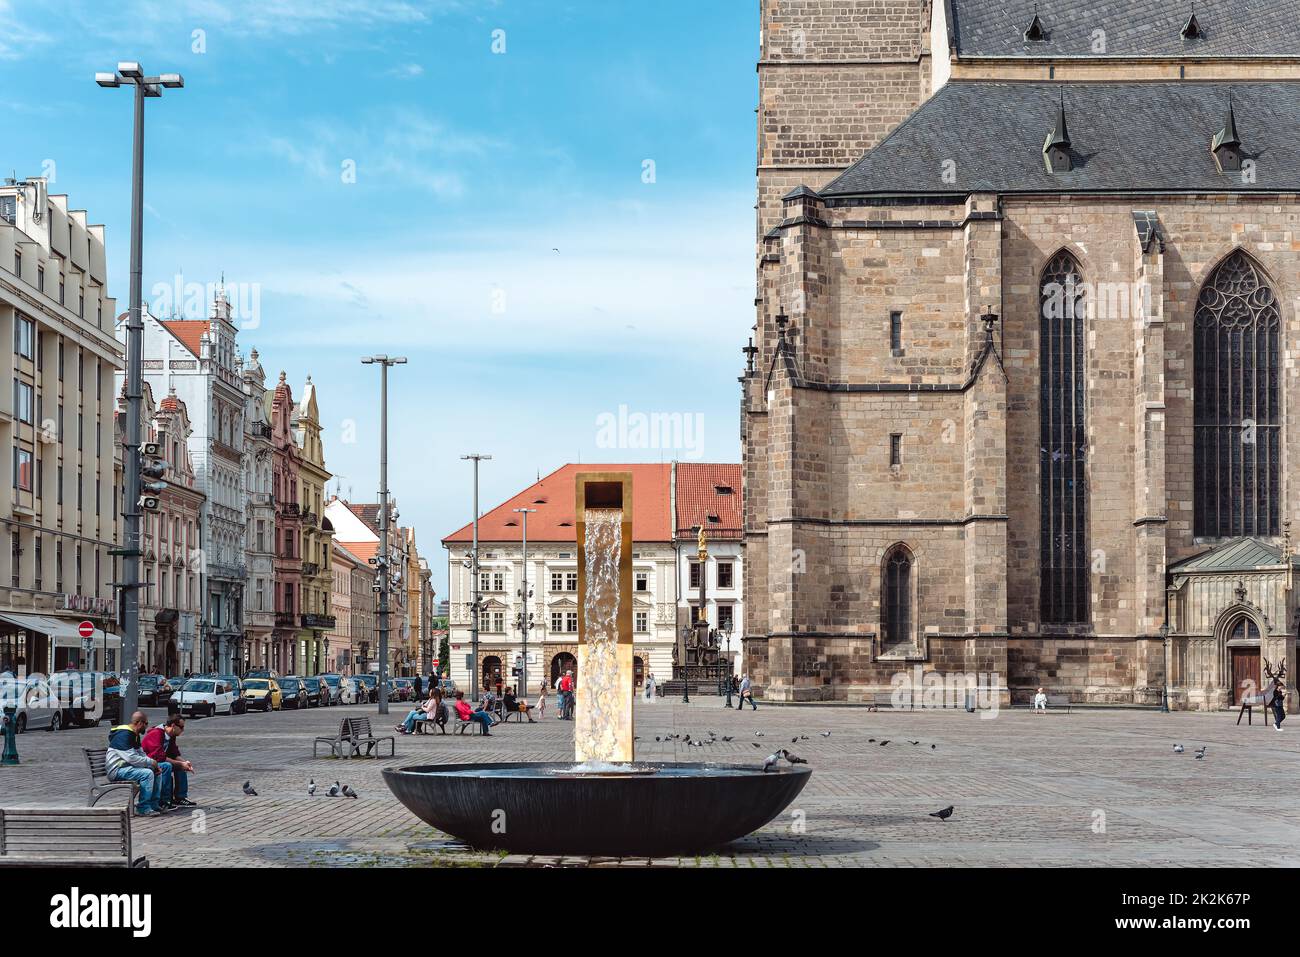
x=603, y=713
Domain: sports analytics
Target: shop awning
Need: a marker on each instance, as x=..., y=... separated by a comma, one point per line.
x=61, y=632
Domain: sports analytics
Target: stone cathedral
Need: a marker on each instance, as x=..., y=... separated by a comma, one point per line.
x=1022, y=394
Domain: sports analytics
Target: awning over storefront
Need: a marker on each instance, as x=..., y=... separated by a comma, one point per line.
x=62, y=634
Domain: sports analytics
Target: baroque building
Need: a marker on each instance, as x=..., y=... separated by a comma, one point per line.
x=316, y=620
x=286, y=461
x=1023, y=377
x=259, y=503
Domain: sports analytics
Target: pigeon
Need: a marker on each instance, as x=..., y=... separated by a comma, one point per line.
x=795, y=739
x=727, y=737
x=656, y=737
x=942, y=815
x=871, y=740
x=772, y=760
x=248, y=789
x=794, y=758
x=758, y=734
x=1200, y=752
x=311, y=787
x=335, y=790
x=1178, y=749
x=756, y=744
x=914, y=742
x=933, y=746
x=348, y=792
x=634, y=738
x=885, y=742
x=803, y=737
x=1200, y=755
x=826, y=734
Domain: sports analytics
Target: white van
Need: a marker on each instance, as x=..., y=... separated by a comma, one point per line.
x=204, y=697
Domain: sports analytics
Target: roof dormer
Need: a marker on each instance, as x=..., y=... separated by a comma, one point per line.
x=1226, y=145
x=1056, y=148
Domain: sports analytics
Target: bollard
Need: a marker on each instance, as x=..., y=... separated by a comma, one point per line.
x=10, y=722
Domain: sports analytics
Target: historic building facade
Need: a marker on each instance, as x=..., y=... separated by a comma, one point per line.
x=1022, y=381
x=708, y=495
x=316, y=619
x=259, y=503
x=285, y=464
x=58, y=500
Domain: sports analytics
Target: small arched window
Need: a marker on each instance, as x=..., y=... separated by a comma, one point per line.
x=1245, y=629
x=897, y=599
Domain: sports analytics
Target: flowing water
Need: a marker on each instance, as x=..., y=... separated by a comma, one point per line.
x=603, y=702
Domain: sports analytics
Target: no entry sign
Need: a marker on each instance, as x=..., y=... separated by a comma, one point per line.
x=85, y=629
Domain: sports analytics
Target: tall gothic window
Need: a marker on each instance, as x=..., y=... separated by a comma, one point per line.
x=897, y=604
x=1063, y=535
x=1237, y=416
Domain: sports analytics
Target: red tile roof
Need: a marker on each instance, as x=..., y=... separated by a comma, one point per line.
x=188, y=331
x=698, y=498
x=553, y=497
x=362, y=550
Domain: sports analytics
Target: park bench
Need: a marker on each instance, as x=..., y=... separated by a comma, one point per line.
x=100, y=785
x=423, y=722
x=335, y=743
x=1056, y=701
x=475, y=726
x=67, y=837
x=884, y=700
x=360, y=733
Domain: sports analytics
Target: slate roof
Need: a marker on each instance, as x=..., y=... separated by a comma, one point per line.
x=1241, y=554
x=1132, y=28
x=1125, y=137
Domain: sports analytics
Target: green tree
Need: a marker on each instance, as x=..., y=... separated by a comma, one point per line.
x=444, y=655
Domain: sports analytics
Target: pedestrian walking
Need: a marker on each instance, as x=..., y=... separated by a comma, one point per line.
x=746, y=694
x=541, y=701
x=650, y=687
x=419, y=689
x=1279, y=703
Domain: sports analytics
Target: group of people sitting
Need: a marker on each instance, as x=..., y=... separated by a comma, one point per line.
x=151, y=758
x=491, y=711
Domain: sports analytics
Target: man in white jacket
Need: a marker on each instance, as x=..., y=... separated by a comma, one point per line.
x=126, y=761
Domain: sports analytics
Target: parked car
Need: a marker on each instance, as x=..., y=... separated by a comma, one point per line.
x=404, y=688
x=264, y=673
x=314, y=697
x=237, y=686
x=372, y=687
x=334, y=685
x=355, y=691
x=86, y=698
x=293, y=693
x=204, y=697
x=34, y=701
x=153, y=691
x=448, y=687
x=263, y=694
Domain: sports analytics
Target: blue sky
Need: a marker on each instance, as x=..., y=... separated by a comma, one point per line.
x=499, y=230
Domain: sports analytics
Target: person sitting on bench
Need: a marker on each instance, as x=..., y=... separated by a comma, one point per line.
x=1040, y=701
x=429, y=711
x=126, y=761
x=160, y=744
x=466, y=713
x=513, y=705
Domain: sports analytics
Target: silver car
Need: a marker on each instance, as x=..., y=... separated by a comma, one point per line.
x=36, y=705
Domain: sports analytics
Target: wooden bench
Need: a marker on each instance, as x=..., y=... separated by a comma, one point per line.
x=1055, y=702
x=423, y=721
x=100, y=785
x=335, y=743
x=462, y=725
x=67, y=837
x=360, y=733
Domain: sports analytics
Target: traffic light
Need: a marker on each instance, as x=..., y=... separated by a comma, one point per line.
x=152, y=469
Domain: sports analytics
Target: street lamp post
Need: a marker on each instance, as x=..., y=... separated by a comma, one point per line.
x=726, y=677
x=146, y=87
x=525, y=616
x=476, y=458
x=383, y=554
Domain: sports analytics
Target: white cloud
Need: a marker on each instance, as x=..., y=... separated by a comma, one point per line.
x=17, y=36
x=406, y=71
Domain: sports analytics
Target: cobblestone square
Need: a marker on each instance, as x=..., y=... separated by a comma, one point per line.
x=1094, y=788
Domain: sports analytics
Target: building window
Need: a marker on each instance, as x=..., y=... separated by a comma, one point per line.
x=15, y=559
x=642, y=580
x=642, y=623
x=58, y=566
x=40, y=278
x=25, y=337
x=60, y=364
x=896, y=602
x=1063, y=498
x=38, y=584
x=726, y=617
x=1238, y=410
x=24, y=401
x=497, y=621
x=557, y=621
x=896, y=333
x=695, y=575
x=22, y=469
x=726, y=575
x=571, y=622
x=895, y=450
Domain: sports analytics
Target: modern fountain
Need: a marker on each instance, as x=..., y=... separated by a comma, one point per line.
x=606, y=803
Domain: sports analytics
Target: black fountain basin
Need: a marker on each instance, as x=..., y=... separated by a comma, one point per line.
x=656, y=810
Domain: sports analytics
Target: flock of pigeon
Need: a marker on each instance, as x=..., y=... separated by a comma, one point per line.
x=1199, y=752
x=336, y=790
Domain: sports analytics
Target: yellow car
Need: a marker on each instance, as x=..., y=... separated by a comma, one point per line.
x=262, y=693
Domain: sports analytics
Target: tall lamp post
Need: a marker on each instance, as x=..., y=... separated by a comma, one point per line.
x=474, y=607
x=525, y=616
x=726, y=677
x=385, y=581
x=146, y=87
